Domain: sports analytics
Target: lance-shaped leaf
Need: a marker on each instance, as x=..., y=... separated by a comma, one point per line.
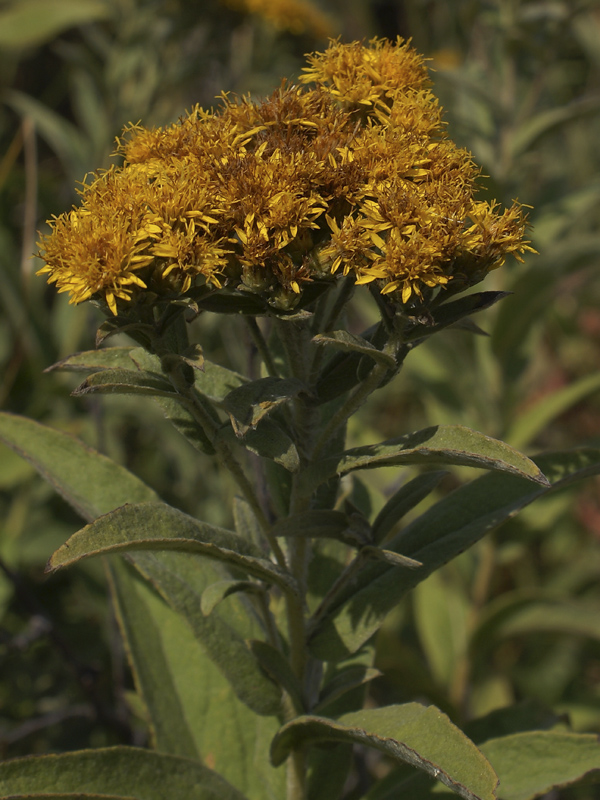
x=121, y=358
x=183, y=420
x=90, y=482
x=403, y=501
x=268, y=440
x=181, y=581
x=156, y=526
x=278, y=667
x=532, y=763
x=444, y=531
x=450, y=313
x=389, y=557
x=218, y=591
x=443, y=444
x=418, y=735
x=71, y=796
x=192, y=709
x=249, y=403
x=123, y=381
x=95, y=360
x=320, y=523
x=118, y=771
x=212, y=380
x=532, y=421
x=141, y=615
x=349, y=342
x=343, y=681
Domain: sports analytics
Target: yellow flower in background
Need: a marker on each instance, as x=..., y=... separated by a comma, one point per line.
x=296, y=16
x=354, y=176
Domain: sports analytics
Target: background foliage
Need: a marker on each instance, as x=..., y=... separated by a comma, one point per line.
x=515, y=619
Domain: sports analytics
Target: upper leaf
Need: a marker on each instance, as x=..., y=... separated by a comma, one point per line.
x=95, y=360
x=249, y=403
x=123, y=381
x=415, y=734
x=443, y=444
x=342, y=340
x=156, y=526
x=451, y=312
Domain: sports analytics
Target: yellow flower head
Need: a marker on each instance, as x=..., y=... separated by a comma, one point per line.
x=354, y=176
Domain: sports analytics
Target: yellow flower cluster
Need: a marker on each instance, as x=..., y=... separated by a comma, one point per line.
x=354, y=176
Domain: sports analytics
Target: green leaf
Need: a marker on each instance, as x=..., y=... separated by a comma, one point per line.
x=216, y=382
x=324, y=523
x=251, y=402
x=142, y=617
x=528, y=715
x=156, y=526
x=278, y=667
x=123, y=381
x=72, y=796
x=403, y=501
x=95, y=360
x=218, y=591
x=441, y=611
x=525, y=136
x=532, y=421
x=120, y=771
x=343, y=681
x=389, y=557
x=181, y=582
x=67, y=141
x=522, y=613
x=30, y=23
x=268, y=440
x=246, y=524
x=532, y=763
x=417, y=735
x=191, y=705
x=440, y=444
x=444, y=531
x=91, y=483
x=342, y=340
x=450, y=313
x=184, y=422
x=212, y=380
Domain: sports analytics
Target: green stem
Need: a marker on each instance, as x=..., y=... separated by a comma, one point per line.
x=296, y=774
x=262, y=346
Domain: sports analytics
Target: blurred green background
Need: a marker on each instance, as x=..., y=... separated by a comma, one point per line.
x=516, y=619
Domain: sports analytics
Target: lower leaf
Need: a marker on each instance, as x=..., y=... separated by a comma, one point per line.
x=532, y=763
x=115, y=771
x=418, y=735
